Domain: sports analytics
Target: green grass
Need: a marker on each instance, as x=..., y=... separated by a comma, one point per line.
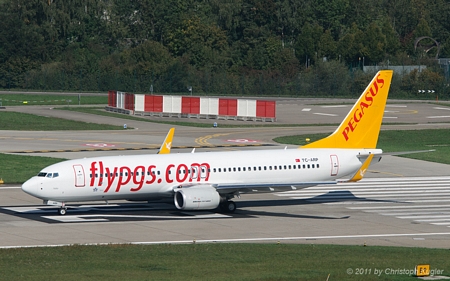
x=215, y=262
x=30, y=99
x=19, y=168
x=29, y=122
x=396, y=141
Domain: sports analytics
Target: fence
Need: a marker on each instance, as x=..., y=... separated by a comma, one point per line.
x=188, y=106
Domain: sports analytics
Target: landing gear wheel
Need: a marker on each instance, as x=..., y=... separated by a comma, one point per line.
x=62, y=211
x=228, y=207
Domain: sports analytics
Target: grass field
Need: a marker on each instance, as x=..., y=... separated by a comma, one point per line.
x=30, y=99
x=28, y=122
x=396, y=141
x=219, y=262
x=19, y=168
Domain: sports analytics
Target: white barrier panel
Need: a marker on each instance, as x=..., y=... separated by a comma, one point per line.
x=246, y=108
x=171, y=104
x=209, y=106
x=120, y=100
x=139, y=102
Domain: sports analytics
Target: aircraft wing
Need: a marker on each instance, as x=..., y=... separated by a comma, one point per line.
x=240, y=188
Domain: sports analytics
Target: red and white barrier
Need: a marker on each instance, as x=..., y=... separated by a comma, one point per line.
x=188, y=106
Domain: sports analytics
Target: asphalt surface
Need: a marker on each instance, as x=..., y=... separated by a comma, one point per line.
x=401, y=202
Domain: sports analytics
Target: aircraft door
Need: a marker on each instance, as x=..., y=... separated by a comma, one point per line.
x=194, y=172
x=334, y=165
x=202, y=172
x=79, y=176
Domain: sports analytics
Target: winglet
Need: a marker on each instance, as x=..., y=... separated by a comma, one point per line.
x=167, y=144
x=362, y=171
x=361, y=126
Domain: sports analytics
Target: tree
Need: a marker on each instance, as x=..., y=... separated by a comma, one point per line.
x=374, y=42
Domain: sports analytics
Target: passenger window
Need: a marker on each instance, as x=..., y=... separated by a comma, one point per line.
x=317, y=165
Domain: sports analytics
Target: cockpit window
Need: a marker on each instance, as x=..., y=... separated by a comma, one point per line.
x=48, y=175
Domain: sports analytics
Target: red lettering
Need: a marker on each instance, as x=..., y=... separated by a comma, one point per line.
x=150, y=172
x=369, y=99
x=345, y=133
x=199, y=171
x=182, y=173
x=111, y=177
x=350, y=124
x=139, y=181
x=169, y=180
x=375, y=85
x=100, y=181
x=123, y=175
x=357, y=117
x=380, y=81
x=93, y=170
x=363, y=106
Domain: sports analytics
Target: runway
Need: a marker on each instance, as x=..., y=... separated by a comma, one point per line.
x=401, y=202
x=407, y=211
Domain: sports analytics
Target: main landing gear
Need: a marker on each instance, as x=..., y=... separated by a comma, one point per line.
x=227, y=206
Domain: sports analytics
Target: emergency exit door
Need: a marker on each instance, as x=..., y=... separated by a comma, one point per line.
x=334, y=165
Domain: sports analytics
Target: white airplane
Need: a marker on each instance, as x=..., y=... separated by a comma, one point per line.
x=208, y=180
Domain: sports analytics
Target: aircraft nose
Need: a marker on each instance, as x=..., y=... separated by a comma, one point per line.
x=30, y=187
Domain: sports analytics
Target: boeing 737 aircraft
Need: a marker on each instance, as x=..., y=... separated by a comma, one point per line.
x=209, y=180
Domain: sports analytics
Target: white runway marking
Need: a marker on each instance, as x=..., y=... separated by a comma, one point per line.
x=10, y=187
x=306, y=109
x=326, y=114
x=424, y=200
x=442, y=108
x=415, y=236
x=333, y=106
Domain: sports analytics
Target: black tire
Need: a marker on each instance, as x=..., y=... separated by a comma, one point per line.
x=62, y=211
x=228, y=207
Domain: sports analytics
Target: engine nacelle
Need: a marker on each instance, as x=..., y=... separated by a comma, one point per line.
x=197, y=198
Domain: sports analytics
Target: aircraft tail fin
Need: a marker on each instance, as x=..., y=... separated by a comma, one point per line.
x=361, y=126
x=167, y=143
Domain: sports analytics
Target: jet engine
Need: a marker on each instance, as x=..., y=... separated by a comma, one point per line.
x=197, y=198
